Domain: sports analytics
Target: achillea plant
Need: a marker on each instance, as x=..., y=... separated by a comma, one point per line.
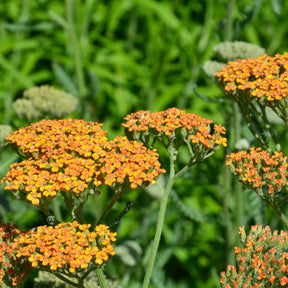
x=260, y=171
x=67, y=247
x=173, y=128
x=257, y=84
x=263, y=173
x=261, y=262
x=72, y=157
x=265, y=77
x=68, y=156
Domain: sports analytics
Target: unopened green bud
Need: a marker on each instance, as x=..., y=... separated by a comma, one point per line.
x=210, y=68
x=44, y=102
x=230, y=51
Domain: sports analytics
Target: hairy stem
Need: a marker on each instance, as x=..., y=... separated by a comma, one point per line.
x=101, y=278
x=115, y=198
x=161, y=219
x=279, y=213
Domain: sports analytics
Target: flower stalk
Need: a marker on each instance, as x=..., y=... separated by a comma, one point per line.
x=160, y=221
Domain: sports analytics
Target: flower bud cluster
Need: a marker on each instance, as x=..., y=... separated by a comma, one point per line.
x=259, y=170
x=69, y=155
x=44, y=102
x=262, y=262
x=229, y=51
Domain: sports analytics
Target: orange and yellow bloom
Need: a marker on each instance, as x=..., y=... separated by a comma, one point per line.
x=69, y=155
x=173, y=128
x=65, y=248
x=258, y=169
x=172, y=120
x=265, y=76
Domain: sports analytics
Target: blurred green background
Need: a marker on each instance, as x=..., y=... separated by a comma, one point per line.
x=117, y=57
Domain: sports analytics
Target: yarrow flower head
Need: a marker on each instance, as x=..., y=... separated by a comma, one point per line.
x=69, y=155
x=265, y=76
x=262, y=262
x=62, y=156
x=67, y=247
x=48, y=138
x=259, y=170
x=263, y=79
x=175, y=126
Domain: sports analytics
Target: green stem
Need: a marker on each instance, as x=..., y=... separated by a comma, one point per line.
x=101, y=278
x=75, y=48
x=238, y=186
x=283, y=201
x=182, y=171
x=66, y=280
x=275, y=207
x=279, y=214
x=226, y=185
x=160, y=223
x=115, y=198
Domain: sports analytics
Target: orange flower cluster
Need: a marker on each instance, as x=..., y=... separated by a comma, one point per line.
x=67, y=247
x=13, y=270
x=265, y=77
x=174, y=122
x=263, y=262
x=69, y=155
x=132, y=161
x=258, y=169
x=51, y=138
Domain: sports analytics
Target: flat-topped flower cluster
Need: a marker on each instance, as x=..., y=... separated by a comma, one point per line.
x=69, y=246
x=65, y=248
x=257, y=169
x=177, y=126
x=69, y=155
x=262, y=262
x=266, y=77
